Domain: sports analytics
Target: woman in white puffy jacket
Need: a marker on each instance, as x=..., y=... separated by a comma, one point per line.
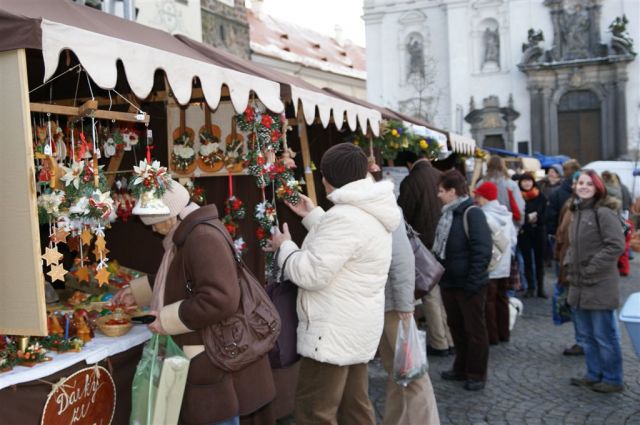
x=499, y=219
x=341, y=271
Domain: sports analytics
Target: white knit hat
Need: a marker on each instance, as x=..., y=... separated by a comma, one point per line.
x=176, y=198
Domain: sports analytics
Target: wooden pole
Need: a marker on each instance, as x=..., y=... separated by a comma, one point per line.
x=89, y=108
x=22, y=303
x=306, y=156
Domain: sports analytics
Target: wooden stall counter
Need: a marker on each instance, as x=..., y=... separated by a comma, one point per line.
x=24, y=391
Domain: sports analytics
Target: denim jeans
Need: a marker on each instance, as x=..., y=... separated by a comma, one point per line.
x=523, y=279
x=598, y=331
x=232, y=421
x=579, y=337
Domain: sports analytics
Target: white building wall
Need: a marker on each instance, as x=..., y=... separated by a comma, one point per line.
x=455, y=31
x=174, y=17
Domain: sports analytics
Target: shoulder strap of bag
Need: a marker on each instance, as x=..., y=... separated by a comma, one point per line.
x=236, y=255
x=465, y=221
x=227, y=237
x=280, y=272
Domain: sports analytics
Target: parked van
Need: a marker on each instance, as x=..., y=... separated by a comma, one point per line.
x=624, y=170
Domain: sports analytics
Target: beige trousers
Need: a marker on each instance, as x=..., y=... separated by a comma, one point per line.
x=332, y=395
x=410, y=405
x=438, y=334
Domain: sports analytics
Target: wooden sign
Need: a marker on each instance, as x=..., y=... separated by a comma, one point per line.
x=88, y=397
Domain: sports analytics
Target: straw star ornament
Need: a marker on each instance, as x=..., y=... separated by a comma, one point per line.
x=57, y=273
x=52, y=256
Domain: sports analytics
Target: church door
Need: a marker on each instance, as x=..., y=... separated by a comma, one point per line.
x=579, y=134
x=493, y=141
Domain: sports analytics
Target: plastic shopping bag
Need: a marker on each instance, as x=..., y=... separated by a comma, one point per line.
x=561, y=311
x=159, y=382
x=410, y=358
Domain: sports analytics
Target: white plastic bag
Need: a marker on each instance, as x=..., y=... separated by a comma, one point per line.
x=410, y=358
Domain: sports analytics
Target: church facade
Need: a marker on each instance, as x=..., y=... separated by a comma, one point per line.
x=551, y=76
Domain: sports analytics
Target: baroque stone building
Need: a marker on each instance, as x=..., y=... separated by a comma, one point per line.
x=553, y=76
x=225, y=25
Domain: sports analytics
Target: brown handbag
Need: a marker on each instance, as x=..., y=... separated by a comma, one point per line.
x=251, y=332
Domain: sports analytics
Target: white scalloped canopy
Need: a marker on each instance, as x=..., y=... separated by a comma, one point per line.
x=462, y=144
x=355, y=114
x=99, y=53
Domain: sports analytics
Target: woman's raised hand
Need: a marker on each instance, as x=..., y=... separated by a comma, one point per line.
x=303, y=207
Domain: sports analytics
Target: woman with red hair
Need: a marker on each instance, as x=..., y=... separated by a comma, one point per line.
x=596, y=241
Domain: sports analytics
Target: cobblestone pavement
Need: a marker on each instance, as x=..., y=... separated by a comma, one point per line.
x=528, y=378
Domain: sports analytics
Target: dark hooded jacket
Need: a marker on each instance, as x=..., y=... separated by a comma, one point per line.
x=556, y=200
x=419, y=200
x=467, y=259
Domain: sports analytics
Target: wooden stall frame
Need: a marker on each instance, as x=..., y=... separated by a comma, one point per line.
x=306, y=156
x=22, y=304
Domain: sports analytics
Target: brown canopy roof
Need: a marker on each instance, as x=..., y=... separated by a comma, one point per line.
x=99, y=40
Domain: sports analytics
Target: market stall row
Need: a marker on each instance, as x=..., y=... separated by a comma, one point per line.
x=80, y=151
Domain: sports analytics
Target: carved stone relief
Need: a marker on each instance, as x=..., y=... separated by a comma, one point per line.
x=493, y=120
x=578, y=61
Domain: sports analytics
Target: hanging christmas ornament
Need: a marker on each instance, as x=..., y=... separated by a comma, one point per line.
x=98, y=253
x=234, y=159
x=73, y=243
x=86, y=236
x=57, y=273
x=61, y=235
x=101, y=244
x=82, y=274
x=147, y=185
x=52, y=256
x=183, y=156
x=210, y=154
x=102, y=276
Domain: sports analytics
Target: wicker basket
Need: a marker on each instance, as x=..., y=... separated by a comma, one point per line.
x=114, y=330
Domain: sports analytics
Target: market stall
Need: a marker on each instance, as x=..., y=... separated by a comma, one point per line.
x=89, y=102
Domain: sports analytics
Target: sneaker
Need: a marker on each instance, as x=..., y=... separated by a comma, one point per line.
x=603, y=387
x=435, y=352
x=575, y=350
x=473, y=385
x=450, y=375
x=583, y=382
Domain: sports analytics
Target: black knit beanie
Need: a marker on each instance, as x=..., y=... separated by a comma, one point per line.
x=344, y=163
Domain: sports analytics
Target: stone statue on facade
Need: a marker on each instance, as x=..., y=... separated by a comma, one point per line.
x=491, y=46
x=416, y=57
x=533, y=38
x=621, y=42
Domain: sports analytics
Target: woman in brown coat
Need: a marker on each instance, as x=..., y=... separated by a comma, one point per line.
x=596, y=241
x=197, y=286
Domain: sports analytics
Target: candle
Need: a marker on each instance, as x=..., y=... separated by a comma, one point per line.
x=66, y=326
x=23, y=343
